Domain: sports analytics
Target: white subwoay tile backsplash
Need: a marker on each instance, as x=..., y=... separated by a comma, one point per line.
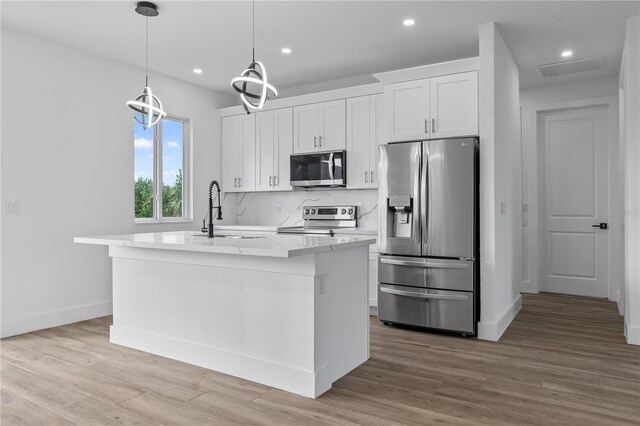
x=285, y=208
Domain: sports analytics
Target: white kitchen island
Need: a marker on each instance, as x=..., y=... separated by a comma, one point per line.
x=287, y=311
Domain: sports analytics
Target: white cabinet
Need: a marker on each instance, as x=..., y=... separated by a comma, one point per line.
x=454, y=105
x=373, y=278
x=365, y=131
x=238, y=153
x=436, y=107
x=274, y=135
x=319, y=127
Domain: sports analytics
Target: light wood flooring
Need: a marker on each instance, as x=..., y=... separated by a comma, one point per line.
x=562, y=361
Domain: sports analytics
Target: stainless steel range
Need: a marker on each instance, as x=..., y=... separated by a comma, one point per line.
x=323, y=220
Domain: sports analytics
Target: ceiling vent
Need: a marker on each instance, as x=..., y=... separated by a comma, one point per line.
x=570, y=67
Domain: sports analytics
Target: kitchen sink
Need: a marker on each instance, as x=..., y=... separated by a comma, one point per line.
x=236, y=237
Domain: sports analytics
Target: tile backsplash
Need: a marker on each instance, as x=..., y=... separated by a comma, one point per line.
x=285, y=208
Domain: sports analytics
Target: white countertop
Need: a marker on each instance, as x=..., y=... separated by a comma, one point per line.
x=267, y=245
x=268, y=228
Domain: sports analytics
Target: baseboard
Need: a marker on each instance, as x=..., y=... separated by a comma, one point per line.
x=257, y=370
x=528, y=287
x=373, y=310
x=493, y=330
x=632, y=334
x=27, y=323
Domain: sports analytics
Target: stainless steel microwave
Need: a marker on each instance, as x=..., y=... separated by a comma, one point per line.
x=319, y=169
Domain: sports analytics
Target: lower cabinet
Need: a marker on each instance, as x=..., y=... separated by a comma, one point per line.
x=373, y=278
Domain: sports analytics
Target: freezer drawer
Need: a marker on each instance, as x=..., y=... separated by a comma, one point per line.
x=445, y=274
x=446, y=310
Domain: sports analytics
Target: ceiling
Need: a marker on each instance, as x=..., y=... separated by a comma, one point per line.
x=341, y=41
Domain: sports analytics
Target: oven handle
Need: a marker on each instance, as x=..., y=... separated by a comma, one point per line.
x=422, y=295
x=424, y=264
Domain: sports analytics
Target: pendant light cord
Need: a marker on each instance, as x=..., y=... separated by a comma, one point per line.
x=253, y=26
x=146, y=49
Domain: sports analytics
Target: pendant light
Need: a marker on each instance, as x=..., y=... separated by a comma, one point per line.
x=255, y=74
x=147, y=104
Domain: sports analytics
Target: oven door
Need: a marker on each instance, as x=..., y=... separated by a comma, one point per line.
x=318, y=169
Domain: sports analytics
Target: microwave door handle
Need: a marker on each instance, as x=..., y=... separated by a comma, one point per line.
x=331, y=166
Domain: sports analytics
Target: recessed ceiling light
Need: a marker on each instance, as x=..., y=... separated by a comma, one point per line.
x=286, y=50
x=197, y=70
x=567, y=53
x=408, y=22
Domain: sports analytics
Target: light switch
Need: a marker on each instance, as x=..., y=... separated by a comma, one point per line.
x=13, y=207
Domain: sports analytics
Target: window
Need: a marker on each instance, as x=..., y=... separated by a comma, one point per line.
x=161, y=171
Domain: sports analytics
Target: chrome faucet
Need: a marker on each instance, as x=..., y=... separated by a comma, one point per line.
x=219, y=215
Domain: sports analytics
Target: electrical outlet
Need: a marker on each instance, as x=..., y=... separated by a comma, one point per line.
x=13, y=207
x=525, y=207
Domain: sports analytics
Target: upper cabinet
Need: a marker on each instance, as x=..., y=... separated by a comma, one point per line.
x=274, y=136
x=438, y=107
x=365, y=132
x=319, y=127
x=238, y=153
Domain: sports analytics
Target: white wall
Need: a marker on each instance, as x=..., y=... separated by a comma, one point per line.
x=555, y=95
x=67, y=158
x=499, y=183
x=630, y=148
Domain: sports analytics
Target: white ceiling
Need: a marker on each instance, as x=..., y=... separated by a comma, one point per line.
x=331, y=40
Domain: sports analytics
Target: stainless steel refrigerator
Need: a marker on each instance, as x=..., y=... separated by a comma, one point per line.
x=428, y=235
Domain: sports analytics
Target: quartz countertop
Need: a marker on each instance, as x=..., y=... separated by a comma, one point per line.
x=264, y=245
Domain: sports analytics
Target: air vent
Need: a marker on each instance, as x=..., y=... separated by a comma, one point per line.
x=570, y=67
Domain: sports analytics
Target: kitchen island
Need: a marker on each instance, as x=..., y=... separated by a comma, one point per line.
x=288, y=311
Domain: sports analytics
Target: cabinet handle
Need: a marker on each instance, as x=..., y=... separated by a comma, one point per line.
x=275, y=180
x=365, y=176
x=239, y=182
x=371, y=176
x=433, y=125
x=270, y=180
x=426, y=125
x=235, y=182
x=315, y=143
x=319, y=140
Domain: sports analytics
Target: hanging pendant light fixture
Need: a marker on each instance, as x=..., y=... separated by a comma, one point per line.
x=147, y=105
x=255, y=74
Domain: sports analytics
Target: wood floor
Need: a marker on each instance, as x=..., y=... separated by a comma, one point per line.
x=562, y=361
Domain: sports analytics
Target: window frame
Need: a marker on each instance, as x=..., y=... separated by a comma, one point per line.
x=158, y=183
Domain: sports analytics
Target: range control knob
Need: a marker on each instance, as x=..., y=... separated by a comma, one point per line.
x=350, y=211
x=344, y=211
x=313, y=211
x=306, y=211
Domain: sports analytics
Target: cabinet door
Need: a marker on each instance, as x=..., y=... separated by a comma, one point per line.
x=231, y=138
x=373, y=279
x=358, y=142
x=333, y=126
x=407, y=110
x=283, y=121
x=305, y=128
x=454, y=105
x=247, y=159
x=265, y=152
x=377, y=135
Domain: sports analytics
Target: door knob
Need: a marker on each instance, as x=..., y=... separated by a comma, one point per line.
x=601, y=225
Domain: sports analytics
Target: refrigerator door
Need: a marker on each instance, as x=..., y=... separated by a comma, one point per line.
x=399, y=198
x=448, y=198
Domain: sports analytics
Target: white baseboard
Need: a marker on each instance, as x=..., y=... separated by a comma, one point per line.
x=632, y=334
x=373, y=310
x=27, y=323
x=528, y=287
x=493, y=330
x=291, y=379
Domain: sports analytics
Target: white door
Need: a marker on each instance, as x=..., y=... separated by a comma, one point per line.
x=377, y=135
x=358, y=142
x=247, y=160
x=454, y=105
x=305, y=128
x=231, y=137
x=264, y=150
x=575, y=201
x=407, y=110
x=283, y=121
x=333, y=125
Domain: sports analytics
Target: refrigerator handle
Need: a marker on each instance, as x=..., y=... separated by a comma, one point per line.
x=424, y=201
